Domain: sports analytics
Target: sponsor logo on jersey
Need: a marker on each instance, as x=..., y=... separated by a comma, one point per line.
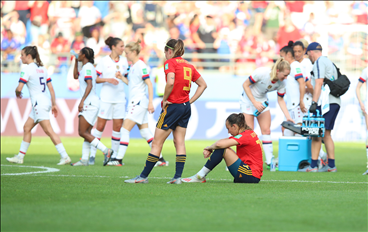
x=88, y=72
x=238, y=136
x=166, y=66
x=21, y=74
x=298, y=70
x=144, y=71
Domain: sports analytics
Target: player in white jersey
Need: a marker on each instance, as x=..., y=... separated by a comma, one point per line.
x=88, y=106
x=256, y=87
x=34, y=75
x=363, y=78
x=138, y=105
x=295, y=87
x=299, y=48
x=112, y=104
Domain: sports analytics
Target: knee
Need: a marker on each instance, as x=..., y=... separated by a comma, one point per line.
x=266, y=131
x=81, y=133
x=27, y=129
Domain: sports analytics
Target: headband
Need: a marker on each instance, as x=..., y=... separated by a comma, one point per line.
x=169, y=47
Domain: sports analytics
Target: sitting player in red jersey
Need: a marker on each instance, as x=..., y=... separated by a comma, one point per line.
x=176, y=109
x=245, y=165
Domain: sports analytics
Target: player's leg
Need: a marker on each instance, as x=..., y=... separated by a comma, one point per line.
x=47, y=128
x=179, y=142
x=124, y=142
x=86, y=149
x=366, y=133
x=97, y=133
x=115, y=137
x=249, y=119
x=27, y=137
x=264, y=121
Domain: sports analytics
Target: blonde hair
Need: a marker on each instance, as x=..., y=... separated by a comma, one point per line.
x=281, y=64
x=305, y=42
x=134, y=46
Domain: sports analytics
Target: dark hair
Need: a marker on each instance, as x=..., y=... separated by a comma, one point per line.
x=89, y=53
x=32, y=50
x=288, y=48
x=176, y=45
x=192, y=20
x=110, y=41
x=299, y=43
x=239, y=120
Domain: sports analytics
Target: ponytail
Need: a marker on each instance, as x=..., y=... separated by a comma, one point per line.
x=177, y=46
x=33, y=51
x=135, y=46
x=110, y=41
x=281, y=64
x=89, y=53
x=239, y=120
x=288, y=49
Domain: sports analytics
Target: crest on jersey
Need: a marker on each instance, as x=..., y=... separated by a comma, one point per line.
x=144, y=71
x=88, y=72
x=21, y=74
x=269, y=87
x=117, y=67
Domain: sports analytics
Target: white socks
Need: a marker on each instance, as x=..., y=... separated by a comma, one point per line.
x=124, y=142
x=23, y=149
x=268, y=148
x=115, y=141
x=203, y=172
x=60, y=148
x=97, y=144
x=97, y=134
x=147, y=135
x=85, y=150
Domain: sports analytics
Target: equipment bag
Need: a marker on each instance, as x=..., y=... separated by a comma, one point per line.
x=340, y=86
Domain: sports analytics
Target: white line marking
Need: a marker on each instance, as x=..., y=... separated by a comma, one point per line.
x=168, y=178
x=47, y=170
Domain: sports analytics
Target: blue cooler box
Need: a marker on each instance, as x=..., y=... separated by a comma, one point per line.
x=292, y=151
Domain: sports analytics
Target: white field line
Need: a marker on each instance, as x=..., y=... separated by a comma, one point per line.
x=47, y=170
x=168, y=178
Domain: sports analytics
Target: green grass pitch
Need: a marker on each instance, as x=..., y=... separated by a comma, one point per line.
x=94, y=198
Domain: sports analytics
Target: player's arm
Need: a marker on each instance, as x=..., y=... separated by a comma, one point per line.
x=169, y=86
x=220, y=144
x=18, y=90
x=148, y=82
x=121, y=77
x=107, y=80
x=75, y=71
x=54, y=109
x=202, y=85
x=309, y=87
x=302, y=92
x=359, y=85
x=246, y=86
x=86, y=93
x=282, y=104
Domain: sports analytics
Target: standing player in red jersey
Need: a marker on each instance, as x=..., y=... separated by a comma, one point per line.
x=176, y=109
x=245, y=165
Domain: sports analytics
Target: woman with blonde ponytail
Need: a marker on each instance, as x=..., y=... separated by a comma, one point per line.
x=254, y=101
x=176, y=109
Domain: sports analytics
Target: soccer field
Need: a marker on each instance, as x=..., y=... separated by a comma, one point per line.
x=95, y=197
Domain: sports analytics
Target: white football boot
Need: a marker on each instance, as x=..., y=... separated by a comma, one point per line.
x=16, y=159
x=64, y=161
x=193, y=179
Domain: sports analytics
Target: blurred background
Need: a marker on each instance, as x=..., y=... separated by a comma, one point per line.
x=225, y=40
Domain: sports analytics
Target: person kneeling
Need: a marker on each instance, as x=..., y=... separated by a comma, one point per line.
x=245, y=165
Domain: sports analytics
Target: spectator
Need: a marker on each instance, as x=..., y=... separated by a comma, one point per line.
x=259, y=7
x=22, y=7
x=43, y=48
x=58, y=46
x=295, y=8
x=39, y=19
x=7, y=7
x=78, y=42
x=360, y=9
x=310, y=26
x=243, y=13
x=103, y=6
x=76, y=7
x=9, y=45
x=95, y=42
x=90, y=17
x=17, y=27
x=287, y=33
x=138, y=22
x=335, y=43
x=62, y=16
x=274, y=16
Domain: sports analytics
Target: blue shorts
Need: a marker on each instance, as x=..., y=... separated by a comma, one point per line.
x=242, y=173
x=174, y=115
x=330, y=116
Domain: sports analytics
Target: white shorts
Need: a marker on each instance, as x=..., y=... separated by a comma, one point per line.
x=90, y=114
x=296, y=114
x=137, y=114
x=248, y=108
x=111, y=110
x=41, y=110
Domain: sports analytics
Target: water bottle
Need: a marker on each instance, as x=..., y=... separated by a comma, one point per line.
x=273, y=164
x=256, y=113
x=305, y=119
x=73, y=53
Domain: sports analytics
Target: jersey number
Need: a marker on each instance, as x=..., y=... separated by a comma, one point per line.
x=187, y=77
x=42, y=83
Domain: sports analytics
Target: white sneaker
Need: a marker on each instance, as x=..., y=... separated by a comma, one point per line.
x=193, y=179
x=16, y=159
x=80, y=163
x=366, y=172
x=64, y=161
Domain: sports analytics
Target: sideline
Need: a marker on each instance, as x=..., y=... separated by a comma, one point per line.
x=164, y=178
x=47, y=170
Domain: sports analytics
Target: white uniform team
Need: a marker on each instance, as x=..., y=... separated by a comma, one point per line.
x=92, y=102
x=112, y=105
x=261, y=85
x=307, y=67
x=36, y=79
x=293, y=92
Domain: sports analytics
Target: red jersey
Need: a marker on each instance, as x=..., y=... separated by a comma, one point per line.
x=185, y=73
x=249, y=150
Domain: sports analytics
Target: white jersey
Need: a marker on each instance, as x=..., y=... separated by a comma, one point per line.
x=292, y=85
x=137, y=87
x=35, y=78
x=107, y=68
x=307, y=68
x=88, y=72
x=262, y=84
x=363, y=78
